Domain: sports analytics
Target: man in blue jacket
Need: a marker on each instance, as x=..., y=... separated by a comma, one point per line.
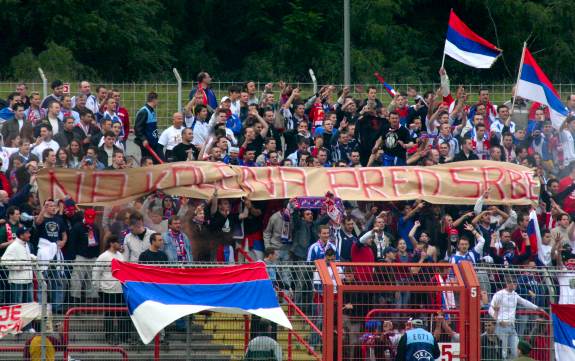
x=176, y=243
x=417, y=344
x=204, y=81
x=146, y=128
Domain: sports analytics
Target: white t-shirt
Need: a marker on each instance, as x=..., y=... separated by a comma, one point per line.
x=5, y=153
x=55, y=125
x=201, y=132
x=235, y=107
x=39, y=149
x=117, y=144
x=566, y=287
x=171, y=137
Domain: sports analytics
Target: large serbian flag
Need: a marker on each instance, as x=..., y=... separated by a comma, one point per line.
x=465, y=46
x=534, y=85
x=158, y=296
x=564, y=331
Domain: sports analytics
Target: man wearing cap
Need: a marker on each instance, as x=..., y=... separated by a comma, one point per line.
x=17, y=259
x=417, y=344
x=523, y=350
x=85, y=244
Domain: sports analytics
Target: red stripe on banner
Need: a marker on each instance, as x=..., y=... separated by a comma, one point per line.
x=456, y=24
x=528, y=59
x=124, y=272
x=565, y=313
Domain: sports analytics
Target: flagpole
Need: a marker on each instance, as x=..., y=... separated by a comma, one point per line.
x=518, y=77
x=443, y=59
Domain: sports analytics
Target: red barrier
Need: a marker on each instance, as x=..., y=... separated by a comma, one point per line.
x=66, y=330
x=293, y=307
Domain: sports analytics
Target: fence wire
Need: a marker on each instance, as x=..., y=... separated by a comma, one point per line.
x=133, y=95
x=86, y=323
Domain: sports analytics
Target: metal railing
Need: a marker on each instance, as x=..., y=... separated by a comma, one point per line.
x=81, y=323
x=173, y=96
x=93, y=329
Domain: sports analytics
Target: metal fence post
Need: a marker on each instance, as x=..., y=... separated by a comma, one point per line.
x=43, y=300
x=179, y=80
x=44, y=83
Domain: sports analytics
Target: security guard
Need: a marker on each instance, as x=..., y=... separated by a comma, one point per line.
x=417, y=344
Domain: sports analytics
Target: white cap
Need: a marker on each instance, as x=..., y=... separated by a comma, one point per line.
x=226, y=98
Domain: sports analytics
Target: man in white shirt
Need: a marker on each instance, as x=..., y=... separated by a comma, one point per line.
x=91, y=102
x=110, y=290
x=18, y=260
x=138, y=240
x=172, y=136
x=503, y=308
x=44, y=141
x=503, y=120
x=198, y=123
x=234, y=95
x=53, y=117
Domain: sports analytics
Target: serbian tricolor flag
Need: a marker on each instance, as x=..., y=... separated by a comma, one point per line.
x=465, y=46
x=564, y=331
x=388, y=88
x=533, y=231
x=534, y=85
x=158, y=296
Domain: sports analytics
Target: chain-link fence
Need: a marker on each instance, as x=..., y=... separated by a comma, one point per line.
x=133, y=95
x=77, y=312
x=504, y=325
x=86, y=319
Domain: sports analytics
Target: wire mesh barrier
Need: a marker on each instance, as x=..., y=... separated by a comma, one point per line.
x=339, y=311
x=78, y=326
x=133, y=95
x=375, y=303
x=503, y=325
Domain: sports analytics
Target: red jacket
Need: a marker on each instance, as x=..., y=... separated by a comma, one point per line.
x=5, y=184
x=125, y=118
x=569, y=202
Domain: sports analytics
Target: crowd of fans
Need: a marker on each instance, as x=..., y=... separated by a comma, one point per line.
x=279, y=127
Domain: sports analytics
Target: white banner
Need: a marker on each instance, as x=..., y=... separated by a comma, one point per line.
x=15, y=317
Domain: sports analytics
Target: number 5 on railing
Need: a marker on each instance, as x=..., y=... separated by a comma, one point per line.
x=449, y=351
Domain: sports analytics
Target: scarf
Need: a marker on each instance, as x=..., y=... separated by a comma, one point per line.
x=178, y=240
x=286, y=218
x=92, y=242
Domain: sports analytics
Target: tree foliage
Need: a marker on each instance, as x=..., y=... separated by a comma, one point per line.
x=133, y=40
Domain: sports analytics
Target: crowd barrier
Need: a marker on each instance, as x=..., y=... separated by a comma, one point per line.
x=340, y=311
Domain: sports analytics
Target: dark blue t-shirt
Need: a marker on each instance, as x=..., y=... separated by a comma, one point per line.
x=52, y=228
